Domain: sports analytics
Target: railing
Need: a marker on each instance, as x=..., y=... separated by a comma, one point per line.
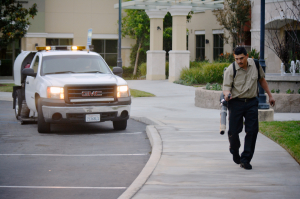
x=292, y=69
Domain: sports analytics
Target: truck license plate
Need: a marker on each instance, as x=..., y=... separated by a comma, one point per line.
x=92, y=117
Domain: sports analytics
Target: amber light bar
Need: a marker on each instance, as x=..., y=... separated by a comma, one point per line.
x=74, y=48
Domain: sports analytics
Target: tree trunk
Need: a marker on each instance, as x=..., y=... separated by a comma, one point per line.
x=137, y=58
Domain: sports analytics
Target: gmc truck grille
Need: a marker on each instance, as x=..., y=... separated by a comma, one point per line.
x=90, y=93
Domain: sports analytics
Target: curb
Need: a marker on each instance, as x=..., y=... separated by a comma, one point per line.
x=147, y=120
x=6, y=96
x=156, y=143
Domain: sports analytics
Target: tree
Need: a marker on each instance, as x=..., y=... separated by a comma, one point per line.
x=234, y=18
x=136, y=24
x=167, y=33
x=14, y=20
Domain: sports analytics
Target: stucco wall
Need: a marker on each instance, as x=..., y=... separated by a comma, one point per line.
x=204, y=21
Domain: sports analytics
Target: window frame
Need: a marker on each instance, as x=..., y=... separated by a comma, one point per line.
x=59, y=41
x=201, y=48
x=104, y=53
x=219, y=48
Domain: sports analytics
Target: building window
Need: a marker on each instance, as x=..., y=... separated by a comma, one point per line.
x=108, y=49
x=58, y=42
x=200, y=47
x=218, y=45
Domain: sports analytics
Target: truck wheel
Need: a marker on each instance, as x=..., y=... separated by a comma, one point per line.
x=18, y=106
x=24, y=110
x=120, y=125
x=43, y=127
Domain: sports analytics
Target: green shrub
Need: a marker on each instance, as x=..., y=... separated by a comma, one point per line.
x=216, y=87
x=209, y=72
x=196, y=64
x=214, y=72
x=299, y=91
x=195, y=74
x=277, y=91
x=127, y=71
x=272, y=91
x=207, y=87
x=225, y=58
x=290, y=91
x=254, y=54
x=183, y=82
x=143, y=69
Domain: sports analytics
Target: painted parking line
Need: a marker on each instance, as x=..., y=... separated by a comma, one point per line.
x=75, y=155
x=121, y=133
x=59, y=187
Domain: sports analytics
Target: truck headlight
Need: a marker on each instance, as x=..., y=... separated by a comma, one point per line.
x=55, y=92
x=122, y=91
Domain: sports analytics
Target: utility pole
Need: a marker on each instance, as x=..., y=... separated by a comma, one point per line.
x=119, y=61
x=262, y=97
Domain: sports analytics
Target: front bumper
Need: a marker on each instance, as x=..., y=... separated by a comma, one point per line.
x=76, y=112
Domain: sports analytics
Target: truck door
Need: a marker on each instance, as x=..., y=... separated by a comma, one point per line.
x=30, y=84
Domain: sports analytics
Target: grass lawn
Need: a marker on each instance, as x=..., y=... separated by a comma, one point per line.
x=138, y=93
x=6, y=87
x=286, y=134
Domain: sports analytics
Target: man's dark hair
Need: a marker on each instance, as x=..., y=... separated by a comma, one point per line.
x=240, y=50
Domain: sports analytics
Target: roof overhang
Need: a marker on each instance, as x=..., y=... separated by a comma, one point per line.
x=197, y=5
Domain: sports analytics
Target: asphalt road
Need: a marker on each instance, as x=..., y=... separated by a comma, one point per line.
x=73, y=161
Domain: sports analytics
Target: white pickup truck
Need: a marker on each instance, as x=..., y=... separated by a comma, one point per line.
x=65, y=85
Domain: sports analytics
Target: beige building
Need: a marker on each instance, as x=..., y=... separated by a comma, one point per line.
x=205, y=37
x=66, y=22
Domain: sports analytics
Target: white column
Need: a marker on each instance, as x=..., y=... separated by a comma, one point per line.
x=156, y=56
x=179, y=57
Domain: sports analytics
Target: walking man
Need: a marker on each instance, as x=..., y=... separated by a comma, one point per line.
x=243, y=103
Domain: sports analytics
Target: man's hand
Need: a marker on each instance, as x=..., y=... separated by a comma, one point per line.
x=271, y=101
x=226, y=93
x=264, y=85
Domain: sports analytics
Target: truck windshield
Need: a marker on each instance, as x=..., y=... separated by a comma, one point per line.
x=58, y=64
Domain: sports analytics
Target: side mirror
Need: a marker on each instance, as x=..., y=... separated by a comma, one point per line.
x=118, y=71
x=28, y=72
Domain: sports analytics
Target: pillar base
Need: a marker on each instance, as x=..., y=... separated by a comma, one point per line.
x=265, y=115
x=156, y=65
x=178, y=59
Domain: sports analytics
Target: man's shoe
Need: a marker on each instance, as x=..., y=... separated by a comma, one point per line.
x=246, y=165
x=237, y=159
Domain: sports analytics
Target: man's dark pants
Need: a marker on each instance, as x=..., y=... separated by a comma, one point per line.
x=237, y=110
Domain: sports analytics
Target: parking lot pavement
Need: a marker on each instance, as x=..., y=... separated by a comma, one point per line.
x=73, y=161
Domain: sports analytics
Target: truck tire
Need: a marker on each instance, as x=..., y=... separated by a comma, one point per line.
x=18, y=100
x=120, y=125
x=43, y=127
x=24, y=110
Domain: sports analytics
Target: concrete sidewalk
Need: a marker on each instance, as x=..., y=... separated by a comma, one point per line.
x=190, y=159
x=195, y=161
